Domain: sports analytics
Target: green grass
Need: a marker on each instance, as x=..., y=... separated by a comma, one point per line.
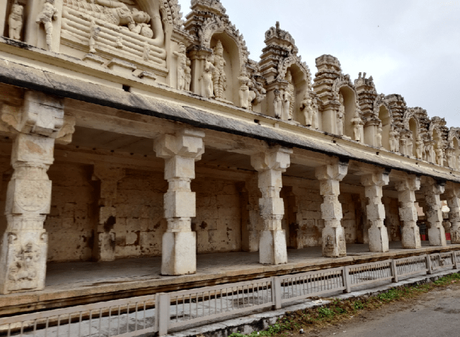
x=338, y=310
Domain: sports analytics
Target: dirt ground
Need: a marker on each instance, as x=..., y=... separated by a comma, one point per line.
x=433, y=314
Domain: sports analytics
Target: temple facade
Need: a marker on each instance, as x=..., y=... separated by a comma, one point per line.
x=129, y=130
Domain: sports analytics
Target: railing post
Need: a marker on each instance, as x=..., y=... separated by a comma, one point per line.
x=454, y=259
x=394, y=271
x=276, y=292
x=346, y=279
x=162, y=313
x=428, y=265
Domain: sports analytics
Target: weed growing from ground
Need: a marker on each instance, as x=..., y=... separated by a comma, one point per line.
x=338, y=310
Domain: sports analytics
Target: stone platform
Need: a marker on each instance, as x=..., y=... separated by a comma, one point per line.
x=77, y=283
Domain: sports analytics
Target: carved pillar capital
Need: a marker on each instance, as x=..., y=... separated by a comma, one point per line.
x=336, y=171
x=410, y=183
x=376, y=179
x=278, y=159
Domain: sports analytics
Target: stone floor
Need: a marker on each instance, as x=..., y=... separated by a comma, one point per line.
x=75, y=283
x=64, y=275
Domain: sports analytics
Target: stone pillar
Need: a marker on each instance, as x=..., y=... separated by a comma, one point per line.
x=105, y=243
x=180, y=152
x=433, y=212
x=408, y=212
x=3, y=17
x=24, y=247
x=271, y=165
x=453, y=201
x=378, y=234
x=330, y=176
x=198, y=56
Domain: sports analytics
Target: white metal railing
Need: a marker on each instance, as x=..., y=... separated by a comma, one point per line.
x=165, y=312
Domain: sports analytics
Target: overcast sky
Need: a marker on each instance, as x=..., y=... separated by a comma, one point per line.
x=410, y=47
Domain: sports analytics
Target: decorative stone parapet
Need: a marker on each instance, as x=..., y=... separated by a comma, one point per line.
x=378, y=234
x=330, y=176
x=180, y=152
x=271, y=165
x=408, y=212
x=24, y=248
x=433, y=212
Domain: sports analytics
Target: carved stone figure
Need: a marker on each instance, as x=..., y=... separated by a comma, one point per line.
x=207, y=78
x=119, y=14
x=278, y=104
x=429, y=151
x=450, y=155
x=306, y=107
x=379, y=136
x=439, y=157
x=419, y=147
x=287, y=100
x=181, y=67
x=340, y=116
x=394, y=140
x=291, y=91
x=15, y=21
x=219, y=77
x=410, y=144
x=357, y=122
x=244, y=90
x=94, y=34
x=46, y=17
x=188, y=75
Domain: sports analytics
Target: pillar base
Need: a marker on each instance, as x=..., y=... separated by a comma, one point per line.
x=334, y=244
x=378, y=239
x=106, y=243
x=437, y=236
x=178, y=253
x=23, y=261
x=411, y=237
x=272, y=247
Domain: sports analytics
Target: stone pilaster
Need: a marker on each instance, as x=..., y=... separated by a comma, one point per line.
x=453, y=201
x=271, y=165
x=105, y=243
x=378, y=234
x=330, y=176
x=433, y=212
x=25, y=242
x=408, y=212
x=180, y=152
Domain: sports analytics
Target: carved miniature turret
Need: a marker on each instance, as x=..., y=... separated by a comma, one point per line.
x=329, y=70
x=398, y=108
x=367, y=94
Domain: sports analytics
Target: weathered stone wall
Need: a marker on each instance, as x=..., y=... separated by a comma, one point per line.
x=73, y=213
x=218, y=220
x=140, y=221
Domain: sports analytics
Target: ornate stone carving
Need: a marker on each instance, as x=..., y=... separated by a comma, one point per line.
x=183, y=69
x=394, y=140
x=219, y=77
x=15, y=21
x=340, y=115
x=358, y=125
x=207, y=78
x=46, y=17
x=278, y=104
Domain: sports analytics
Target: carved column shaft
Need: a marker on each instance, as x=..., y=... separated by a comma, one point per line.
x=104, y=246
x=180, y=152
x=378, y=234
x=198, y=59
x=330, y=176
x=408, y=212
x=453, y=201
x=271, y=165
x=24, y=248
x=433, y=212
